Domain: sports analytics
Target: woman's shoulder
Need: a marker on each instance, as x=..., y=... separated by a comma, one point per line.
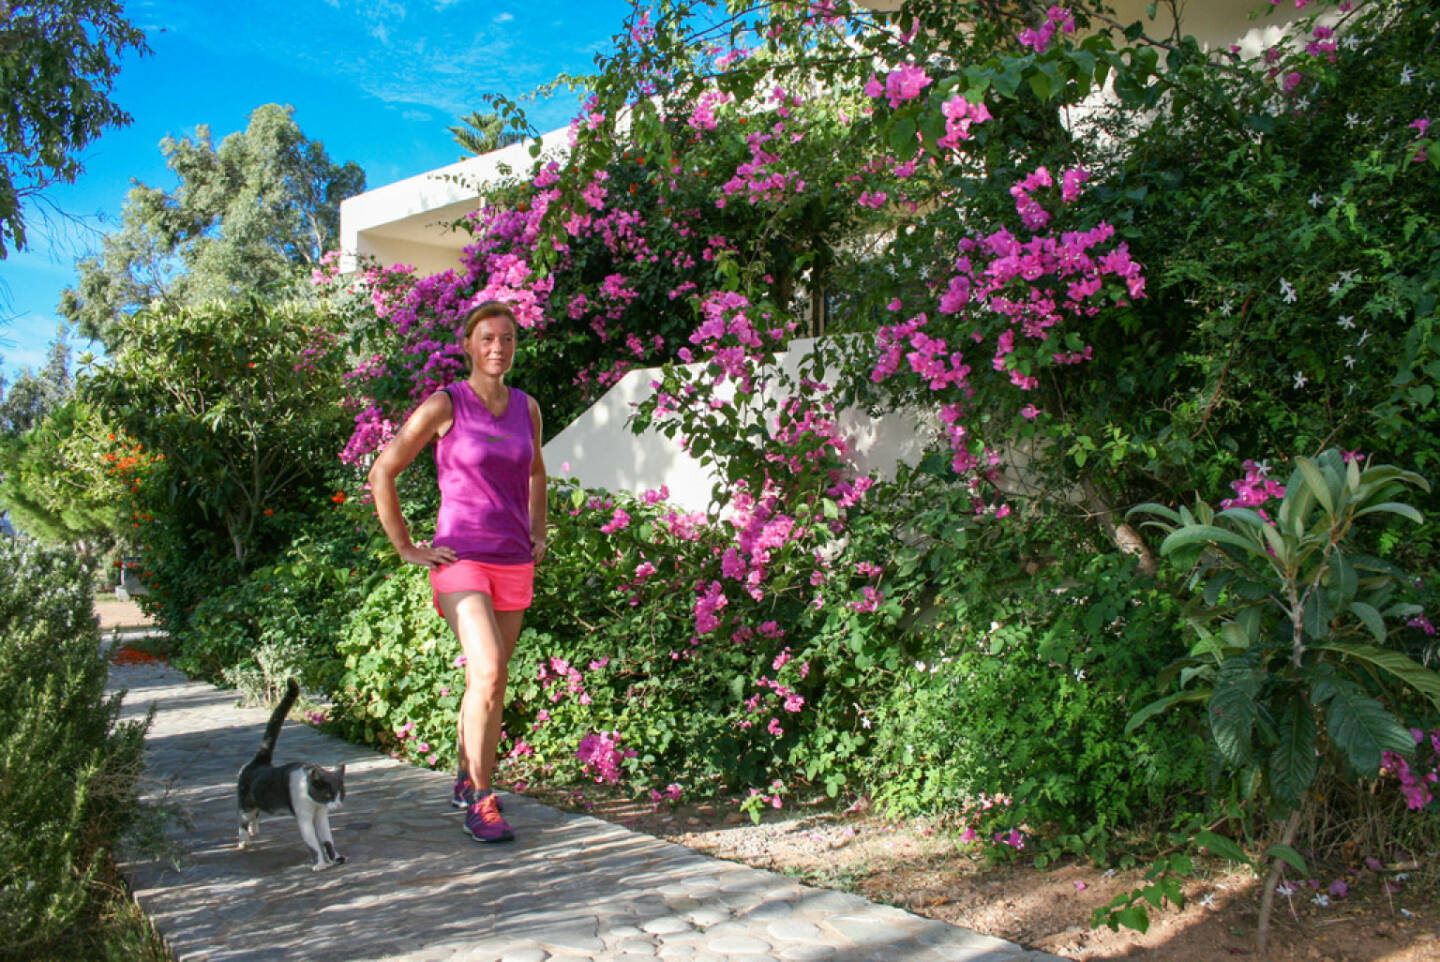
x=436, y=411
x=440, y=399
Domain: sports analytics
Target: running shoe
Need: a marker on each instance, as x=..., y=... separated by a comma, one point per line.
x=484, y=824
x=460, y=794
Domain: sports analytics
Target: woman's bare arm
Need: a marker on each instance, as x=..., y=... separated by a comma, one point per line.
x=539, y=484
x=429, y=420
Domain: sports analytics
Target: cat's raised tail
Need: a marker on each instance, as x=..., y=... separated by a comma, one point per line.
x=272, y=727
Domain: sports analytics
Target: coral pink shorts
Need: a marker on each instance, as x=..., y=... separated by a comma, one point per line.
x=510, y=587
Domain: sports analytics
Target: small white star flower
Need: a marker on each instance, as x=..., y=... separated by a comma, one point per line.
x=1337, y=287
x=1302, y=104
x=1352, y=120
x=1322, y=900
x=1348, y=276
x=1347, y=321
x=1407, y=75
x=1350, y=361
x=1364, y=336
x=1352, y=389
x=1226, y=308
x=1262, y=468
x=1287, y=292
x=1300, y=380
x=1208, y=902
x=1316, y=200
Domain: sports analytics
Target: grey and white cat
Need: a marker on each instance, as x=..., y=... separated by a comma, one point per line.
x=306, y=791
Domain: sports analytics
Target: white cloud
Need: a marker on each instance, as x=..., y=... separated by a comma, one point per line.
x=503, y=18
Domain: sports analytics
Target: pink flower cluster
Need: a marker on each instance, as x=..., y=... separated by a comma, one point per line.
x=601, y=756
x=960, y=114
x=1415, y=783
x=1056, y=18
x=711, y=601
x=671, y=794
x=556, y=671
x=1255, y=488
x=759, y=177
x=702, y=116
x=1021, y=284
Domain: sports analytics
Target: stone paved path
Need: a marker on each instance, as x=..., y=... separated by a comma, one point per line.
x=415, y=888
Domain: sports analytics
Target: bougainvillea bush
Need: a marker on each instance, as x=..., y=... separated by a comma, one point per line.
x=1090, y=301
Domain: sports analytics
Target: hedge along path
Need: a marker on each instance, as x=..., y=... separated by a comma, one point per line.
x=570, y=887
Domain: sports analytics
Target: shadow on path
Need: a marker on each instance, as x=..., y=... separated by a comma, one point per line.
x=414, y=887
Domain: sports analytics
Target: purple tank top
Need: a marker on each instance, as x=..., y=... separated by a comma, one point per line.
x=484, y=467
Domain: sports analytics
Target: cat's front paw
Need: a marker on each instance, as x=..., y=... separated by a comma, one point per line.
x=339, y=860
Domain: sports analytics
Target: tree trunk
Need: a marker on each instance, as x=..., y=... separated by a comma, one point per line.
x=1272, y=878
x=1122, y=533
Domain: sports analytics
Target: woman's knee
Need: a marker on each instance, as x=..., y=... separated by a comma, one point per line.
x=486, y=681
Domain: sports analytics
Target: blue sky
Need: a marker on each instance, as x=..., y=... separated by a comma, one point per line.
x=377, y=81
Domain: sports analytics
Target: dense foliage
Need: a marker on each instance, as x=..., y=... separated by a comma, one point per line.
x=235, y=408
x=244, y=217
x=67, y=768
x=1086, y=302
x=58, y=62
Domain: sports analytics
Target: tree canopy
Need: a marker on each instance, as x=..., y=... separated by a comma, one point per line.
x=244, y=216
x=58, y=62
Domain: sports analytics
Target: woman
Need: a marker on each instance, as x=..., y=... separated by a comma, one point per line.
x=490, y=533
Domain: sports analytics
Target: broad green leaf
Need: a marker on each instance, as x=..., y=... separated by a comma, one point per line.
x=1134, y=917
x=1007, y=82
x=1289, y=856
x=1295, y=508
x=1360, y=726
x=1159, y=705
x=1422, y=679
x=1316, y=615
x=1151, y=508
x=1205, y=534
x=1222, y=846
x=1040, y=86
x=1248, y=515
x=1216, y=585
x=1232, y=710
x=1293, y=762
x=1277, y=544
x=1343, y=581
x=1393, y=507
x=1316, y=482
x=1370, y=617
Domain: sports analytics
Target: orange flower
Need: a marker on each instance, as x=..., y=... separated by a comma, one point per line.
x=269, y=511
x=338, y=497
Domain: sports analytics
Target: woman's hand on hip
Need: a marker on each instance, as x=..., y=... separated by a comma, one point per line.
x=428, y=557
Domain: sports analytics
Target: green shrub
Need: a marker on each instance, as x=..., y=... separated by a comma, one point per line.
x=67, y=768
x=925, y=669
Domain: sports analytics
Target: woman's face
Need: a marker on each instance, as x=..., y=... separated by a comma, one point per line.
x=491, y=346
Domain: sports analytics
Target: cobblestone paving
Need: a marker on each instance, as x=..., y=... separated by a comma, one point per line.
x=414, y=887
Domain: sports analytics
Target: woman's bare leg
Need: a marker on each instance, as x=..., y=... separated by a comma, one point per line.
x=487, y=639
